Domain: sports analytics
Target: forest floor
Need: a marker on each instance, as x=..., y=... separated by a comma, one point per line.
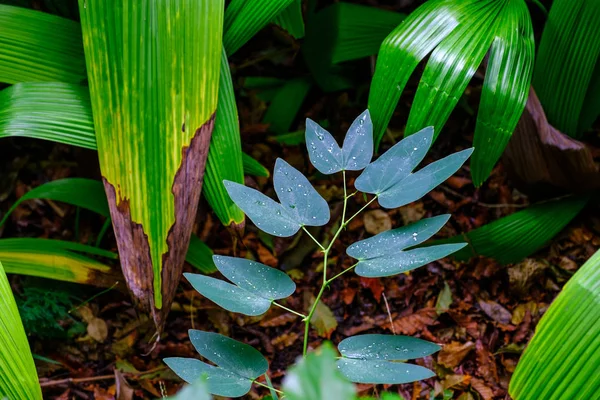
x=91, y=343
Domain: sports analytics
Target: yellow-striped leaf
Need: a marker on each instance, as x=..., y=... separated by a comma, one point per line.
x=18, y=377
x=153, y=70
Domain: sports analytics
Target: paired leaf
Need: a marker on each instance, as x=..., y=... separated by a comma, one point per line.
x=316, y=377
x=559, y=363
x=373, y=358
x=300, y=203
x=566, y=77
x=356, y=152
x=237, y=364
x=390, y=178
x=18, y=376
x=256, y=285
x=37, y=46
x=459, y=35
x=385, y=255
x=153, y=189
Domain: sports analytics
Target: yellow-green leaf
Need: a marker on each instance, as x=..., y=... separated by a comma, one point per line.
x=153, y=70
x=18, y=377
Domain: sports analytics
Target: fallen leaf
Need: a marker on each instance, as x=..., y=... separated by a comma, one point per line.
x=377, y=221
x=374, y=285
x=520, y=311
x=347, y=295
x=486, y=366
x=444, y=299
x=466, y=396
x=413, y=323
x=285, y=340
x=97, y=329
x=452, y=380
x=323, y=319
x=485, y=391
x=495, y=311
x=279, y=320
x=412, y=212
x=265, y=256
x=124, y=391
x=453, y=353
x=523, y=274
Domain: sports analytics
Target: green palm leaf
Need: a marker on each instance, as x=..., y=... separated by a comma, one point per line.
x=566, y=77
x=291, y=19
x=37, y=46
x=344, y=32
x=153, y=69
x=458, y=34
x=244, y=18
x=225, y=145
x=512, y=238
x=18, y=377
x=561, y=362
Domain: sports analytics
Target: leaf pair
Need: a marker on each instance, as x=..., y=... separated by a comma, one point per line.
x=385, y=255
x=255, y=286
x=390, y=177
x=374, y=358
x=237, y=364
x=300, y=203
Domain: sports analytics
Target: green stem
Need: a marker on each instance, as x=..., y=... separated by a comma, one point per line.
x=268, y=387
x=313, y=238
x=361, y=210
x=341, y=273
x=289, y=310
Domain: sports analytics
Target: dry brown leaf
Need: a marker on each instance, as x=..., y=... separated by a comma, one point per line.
x=453, y=353
x=97, y=329
x=377, y=221
x=452, y=380
x=495, y=311
x=124, y=391
x=412, y=212
x=278, y=320
x=484, y=390
x=413, y=323
x=265, y=256
x=486, y=365
x=374, y=285
x=285, y=340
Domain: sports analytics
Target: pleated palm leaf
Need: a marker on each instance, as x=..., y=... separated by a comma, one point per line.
x=457, y=35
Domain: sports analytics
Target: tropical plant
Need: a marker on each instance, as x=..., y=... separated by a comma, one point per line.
x=561, y=361
x=48, y=76
x=18, y=377
x=255, y=287
x=456, y=35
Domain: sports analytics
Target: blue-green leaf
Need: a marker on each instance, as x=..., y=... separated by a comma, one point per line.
x=384, y=254
x=229, y=354
x=357, y=149
x=231, y=297
x=262, y=280
x=395, y=240
x=299, y=199
x=323, y=150
x=405, y=260
x=396, y=163
x=265, y=212
x=417, y=185
x=386, y=347
x=381, y=372
x=220, y=381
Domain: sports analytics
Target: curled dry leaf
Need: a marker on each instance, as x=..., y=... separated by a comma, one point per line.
x=377, y=221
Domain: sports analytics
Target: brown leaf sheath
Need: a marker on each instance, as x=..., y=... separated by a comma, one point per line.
x=132, y=241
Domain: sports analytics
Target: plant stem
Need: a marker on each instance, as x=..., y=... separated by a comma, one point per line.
x=290, y=310
x=325, y=282
x=361, y=210
x=313, y=238
x=268, y=387
x=341, y=273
